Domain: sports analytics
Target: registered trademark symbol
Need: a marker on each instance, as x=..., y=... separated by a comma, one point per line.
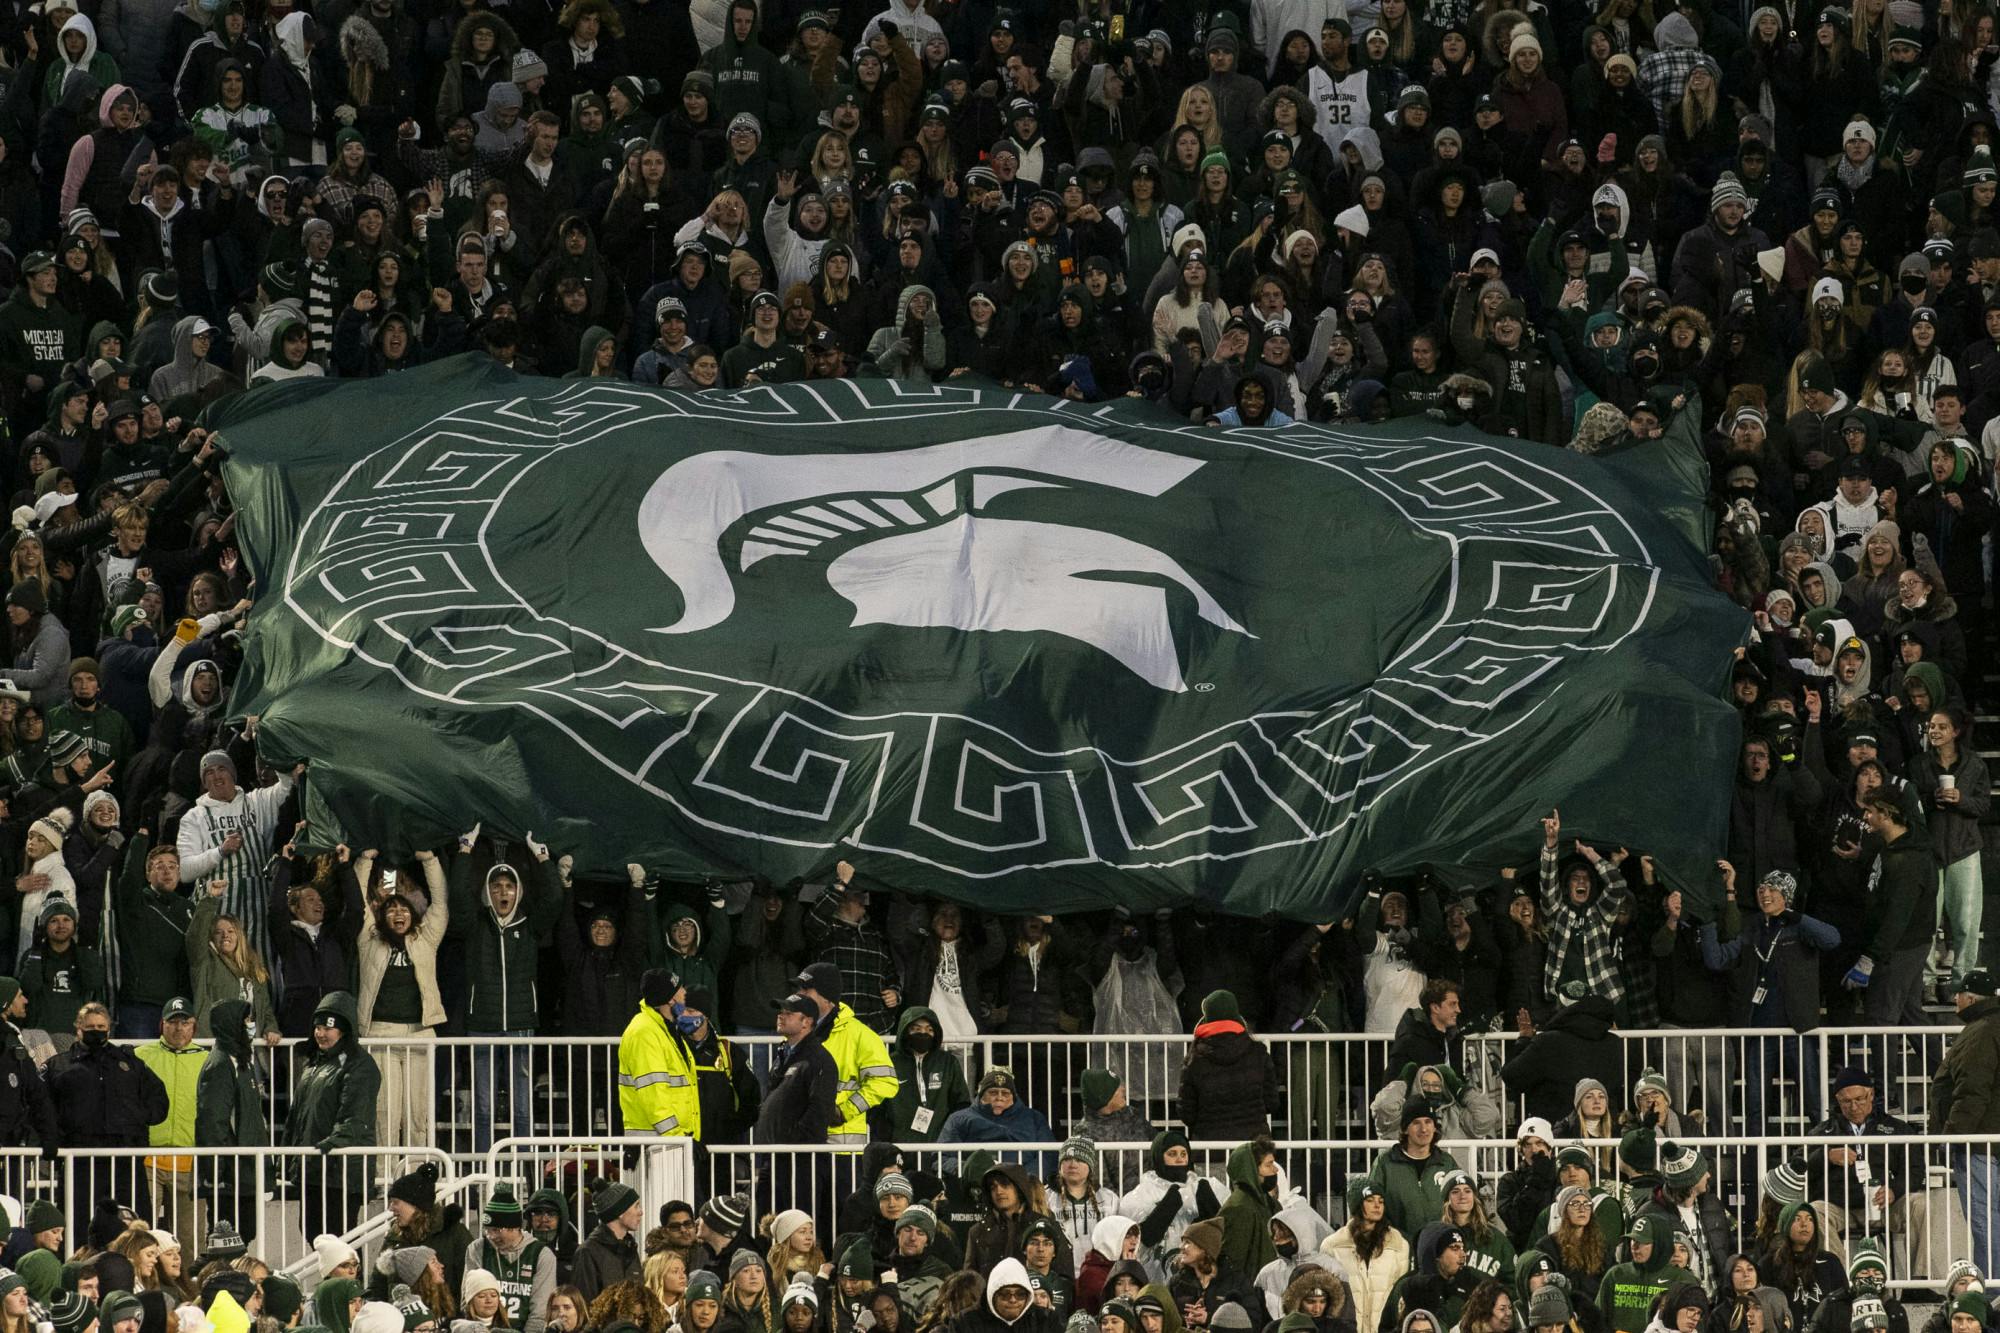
x=1204, y=687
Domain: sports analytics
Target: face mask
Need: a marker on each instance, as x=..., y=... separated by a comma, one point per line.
x=1465, y=402
x=95, y=1039
x=1288, y=1249
x=209, y=6
x=919, y=1043
x=1174, y=1174
x=1915, y=285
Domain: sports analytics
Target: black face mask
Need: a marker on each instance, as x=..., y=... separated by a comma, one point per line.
x=1174, y=1174
x=1287, y=1249
x=919, y=1043
x=95, y=1039
x=1915, y=285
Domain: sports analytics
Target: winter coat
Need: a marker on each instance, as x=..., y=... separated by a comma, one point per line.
x=1955, y=829
x=306, y=965
x=1424, y=1288
x=1229, y=1085
x=1778, y=955
x=374, y=955
x=603, y=1260
x=934, y=1081
x=1246, y=1215
x=104, y=1096
x=601, y=985
x=1710, y=264
x=1577, y=1042
x=1369, y=1282
x=1964, y=1098
x=150, y=929
x=1008, y=1272
x=229, y=1098
x=802, y=1104
x=333, y=1105
x=999, y=1235
x=502, y=956
x=1412, y=1191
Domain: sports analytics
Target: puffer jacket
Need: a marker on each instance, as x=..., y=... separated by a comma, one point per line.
x=1229, y=1086
x=334, y=1103
x=1369, y=1281
x=502, y=956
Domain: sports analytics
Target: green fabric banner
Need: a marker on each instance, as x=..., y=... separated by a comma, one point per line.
x=1022, y=652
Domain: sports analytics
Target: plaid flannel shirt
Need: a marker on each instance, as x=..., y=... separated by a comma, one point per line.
x=862, y=956
x=1662, y=76
x=1591, y=928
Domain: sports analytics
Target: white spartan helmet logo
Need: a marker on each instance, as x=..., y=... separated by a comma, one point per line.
x=922, y=559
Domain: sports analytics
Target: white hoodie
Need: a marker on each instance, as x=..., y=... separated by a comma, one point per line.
x=1008, y=1273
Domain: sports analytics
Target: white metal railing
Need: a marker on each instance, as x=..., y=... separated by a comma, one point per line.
x=461, y=1094
x=660, y=1169
x=1940, y=1208
x=1926, y=1227
x=276, y=1198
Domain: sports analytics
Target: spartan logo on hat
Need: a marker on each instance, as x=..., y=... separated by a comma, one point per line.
x=922, y=546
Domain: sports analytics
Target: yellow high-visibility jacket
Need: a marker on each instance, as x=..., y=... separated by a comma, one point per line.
x=867, y=1078
x=657, y=1091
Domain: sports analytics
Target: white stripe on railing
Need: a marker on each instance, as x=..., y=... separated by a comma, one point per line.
x=276, y=1198
x=1939, y=1208
x=459, y=1094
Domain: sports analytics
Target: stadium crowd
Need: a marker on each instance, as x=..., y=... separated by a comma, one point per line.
x=1565, y=222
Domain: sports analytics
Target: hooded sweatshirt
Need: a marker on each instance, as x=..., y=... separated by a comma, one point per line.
x=186, y=373
x=501, y=951
x=749, y=78
x=900, y=357
x=230, y=1093
x=1309, y=1230
x=1247, y=1213
x=930, y=1087
x=96, y=63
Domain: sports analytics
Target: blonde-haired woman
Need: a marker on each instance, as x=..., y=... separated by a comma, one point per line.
x=666, y=1276
x=794, y=1247
x=14, y=1305
x=223, y=966
x=396, y=952
x=1701, y=137
x=29, y=564
x=1197, y=109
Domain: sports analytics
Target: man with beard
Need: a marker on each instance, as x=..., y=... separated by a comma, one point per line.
x=459, y=164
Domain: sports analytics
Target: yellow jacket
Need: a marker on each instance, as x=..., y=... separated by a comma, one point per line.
x=180, y=1071
x=867, y=1078
x=657, y=1092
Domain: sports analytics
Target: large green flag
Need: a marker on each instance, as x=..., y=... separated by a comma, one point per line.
x=1009, y=649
